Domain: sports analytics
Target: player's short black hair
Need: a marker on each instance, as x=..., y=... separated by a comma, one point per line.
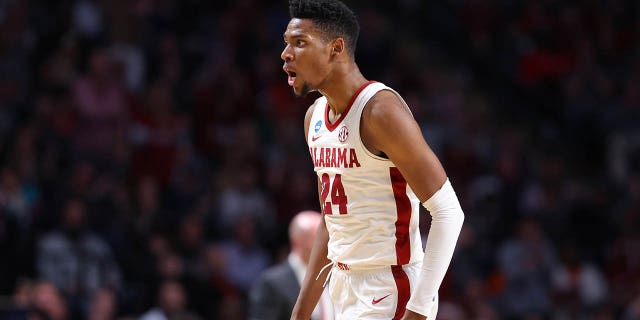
x=332, y=17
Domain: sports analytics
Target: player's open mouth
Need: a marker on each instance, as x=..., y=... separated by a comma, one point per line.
x=292, y=77
x=292, y=74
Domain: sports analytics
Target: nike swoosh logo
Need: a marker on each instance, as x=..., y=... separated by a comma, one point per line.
x=314, y=138
x=376, y=301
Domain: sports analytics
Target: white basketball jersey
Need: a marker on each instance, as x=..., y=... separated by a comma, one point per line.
x=370, y=211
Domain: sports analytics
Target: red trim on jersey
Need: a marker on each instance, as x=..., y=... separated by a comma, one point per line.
x=333, y=126
x=403, y=207
x=404, y=290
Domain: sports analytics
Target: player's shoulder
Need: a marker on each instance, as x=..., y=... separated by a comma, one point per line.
x=320, y=101
x=383, y=103
x=385, y=96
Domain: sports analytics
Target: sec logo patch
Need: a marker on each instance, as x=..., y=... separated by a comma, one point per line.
x=343, y=134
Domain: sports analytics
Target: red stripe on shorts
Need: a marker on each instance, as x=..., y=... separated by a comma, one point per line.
x=404, y=290
x=403, y=207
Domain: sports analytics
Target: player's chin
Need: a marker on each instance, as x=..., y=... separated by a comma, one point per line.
x=302, y=91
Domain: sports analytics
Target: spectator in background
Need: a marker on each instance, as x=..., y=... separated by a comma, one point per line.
x=20, y=299
x=17, y=197
x=274, y=294
x=244, y=257
x=39, y=300
x=224, y=296
x=47, y=299
x=155, y=135
x=87, y=19
x=526, y=261
x=450, y=311
x=633, y=310
x=190, y=247
x=171, y=304
x=579, y=286
x=148, y=209
x=76, y=260
x=242, y=196
x=103, y=306
x=623, y=268
x=102, y=105
x=478, y=302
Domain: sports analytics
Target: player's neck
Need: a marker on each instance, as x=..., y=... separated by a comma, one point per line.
x=342, y=87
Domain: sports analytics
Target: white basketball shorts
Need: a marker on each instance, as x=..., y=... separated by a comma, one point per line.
x=373, y=294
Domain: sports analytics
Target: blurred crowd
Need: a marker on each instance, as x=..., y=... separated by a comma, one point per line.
x=152, y=154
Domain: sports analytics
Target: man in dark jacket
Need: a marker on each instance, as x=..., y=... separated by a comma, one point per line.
x=274, y=294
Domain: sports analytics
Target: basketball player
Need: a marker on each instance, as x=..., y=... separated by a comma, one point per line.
x=374, y=169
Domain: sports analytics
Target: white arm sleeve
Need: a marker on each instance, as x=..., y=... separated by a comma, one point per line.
x=445, y=227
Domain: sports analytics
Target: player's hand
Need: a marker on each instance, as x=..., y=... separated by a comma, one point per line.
x=410, y=315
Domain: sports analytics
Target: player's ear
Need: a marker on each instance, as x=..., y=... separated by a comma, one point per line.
x=337, y=46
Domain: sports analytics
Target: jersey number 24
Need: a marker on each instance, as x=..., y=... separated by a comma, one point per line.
x=336, y=190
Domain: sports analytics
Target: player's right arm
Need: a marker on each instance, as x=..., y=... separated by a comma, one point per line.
x=312, y=285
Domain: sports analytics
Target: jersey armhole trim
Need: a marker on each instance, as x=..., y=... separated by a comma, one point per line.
x=364, y=148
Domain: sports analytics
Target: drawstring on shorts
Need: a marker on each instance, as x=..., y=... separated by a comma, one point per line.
x=332, y=264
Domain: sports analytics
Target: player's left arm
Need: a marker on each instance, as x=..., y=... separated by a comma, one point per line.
x=388, y=126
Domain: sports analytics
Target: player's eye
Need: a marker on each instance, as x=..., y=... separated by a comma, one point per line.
x=300, y=43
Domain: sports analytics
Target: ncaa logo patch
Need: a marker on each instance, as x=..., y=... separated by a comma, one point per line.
x=343, y=134
x=318, y=125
